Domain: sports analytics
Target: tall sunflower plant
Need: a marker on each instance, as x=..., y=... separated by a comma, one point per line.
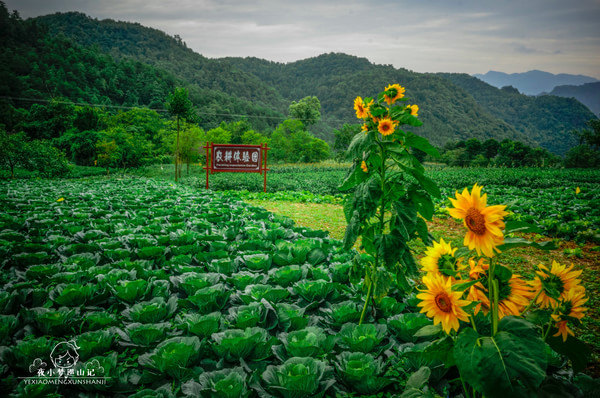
x=504, y=333
x=391, y=196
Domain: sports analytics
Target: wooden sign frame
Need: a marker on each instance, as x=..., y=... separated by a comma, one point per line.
x=237, y=159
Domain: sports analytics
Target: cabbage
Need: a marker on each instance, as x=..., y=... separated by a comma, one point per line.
x=298, y=378
x=258, y=262
x=235, y=344
x=258, y=292
x=210, y=298
x=94, y=343
x=190, y=282
x=247, y=315
x=244, y=278
x=404, y=326
x=72, y=295
x=361, y=372
x=144, y=335
x=287, y=275
x=130, y=291
x=344, y=312
x=226, y=383
x=291, y=317
x=200, y=325
x=364, y=338
x=311, y=341
x=314, y=291
x=175, y=356
x=153, y=311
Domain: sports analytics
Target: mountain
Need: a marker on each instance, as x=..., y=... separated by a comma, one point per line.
x=588, y=94
x=533, y=82
x=546, y=120
x=260, y=91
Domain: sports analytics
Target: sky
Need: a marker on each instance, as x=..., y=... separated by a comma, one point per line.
x=466, y=36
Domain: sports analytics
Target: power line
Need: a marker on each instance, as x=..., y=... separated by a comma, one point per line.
x=161, y=110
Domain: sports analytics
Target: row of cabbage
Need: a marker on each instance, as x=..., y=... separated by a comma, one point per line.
x=162, y=290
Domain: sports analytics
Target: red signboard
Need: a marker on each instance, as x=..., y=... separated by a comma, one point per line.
x=236, y=158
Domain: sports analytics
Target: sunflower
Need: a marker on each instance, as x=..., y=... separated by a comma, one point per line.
x=440, y=258
x=484, y=223
x=557, y=282
x=571, y=307
x=441, y=303
x=365, y=128
x=414, y=109
x=361, y=108
x=393, y=92
x=513, y=296
x=363, y=166
x=477, y=292
x=386, y=126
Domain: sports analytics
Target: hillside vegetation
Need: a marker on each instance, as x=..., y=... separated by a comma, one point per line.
x=452, y=108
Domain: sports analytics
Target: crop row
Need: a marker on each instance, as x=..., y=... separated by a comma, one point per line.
x=546, y=197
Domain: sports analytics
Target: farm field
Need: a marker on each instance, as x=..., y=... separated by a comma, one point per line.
x=185, y=292
x=546, y=197
x=166, y=288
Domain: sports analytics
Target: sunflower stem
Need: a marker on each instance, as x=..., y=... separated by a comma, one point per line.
x=364, y=310
x=531, y=303
x=493, y=297
x=464, y=386
x=496, y=299
x=547, y=332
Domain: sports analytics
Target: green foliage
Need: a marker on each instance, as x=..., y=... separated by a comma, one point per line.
x=12, y=151
x=389, y=192
x=307, y=110
x=290, y=142
x=361, y=372
x=298, y=377
x=511, y=362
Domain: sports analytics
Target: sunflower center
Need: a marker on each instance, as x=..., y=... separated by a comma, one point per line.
x=475, y=221
x=446, y=263
x=553, y=286
x=443, y=302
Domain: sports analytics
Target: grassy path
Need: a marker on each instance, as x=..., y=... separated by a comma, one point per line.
x=331, y=218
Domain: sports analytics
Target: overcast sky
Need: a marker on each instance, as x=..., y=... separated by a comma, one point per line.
x=470, y=36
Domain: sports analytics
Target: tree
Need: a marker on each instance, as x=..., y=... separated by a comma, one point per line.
x=80, y=146
x=12, y=150
x=343, y=137
x=237, y=130
x=490, y=148
x=473, y=147
x=307, y=110
x=46, y=160
x=179, y=105
x=190, y=142
x=251, y=137
x=590, y=136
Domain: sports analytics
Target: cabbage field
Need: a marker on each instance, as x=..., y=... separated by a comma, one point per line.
x=161, y=289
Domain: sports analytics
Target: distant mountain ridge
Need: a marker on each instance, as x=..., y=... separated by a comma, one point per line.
x=533, y=82
x=588, y=94
x=452, y=107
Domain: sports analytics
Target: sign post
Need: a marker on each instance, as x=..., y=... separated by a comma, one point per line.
x=227, y=158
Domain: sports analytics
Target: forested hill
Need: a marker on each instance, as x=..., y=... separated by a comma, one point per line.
x=450, y=107
x=545, y=119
